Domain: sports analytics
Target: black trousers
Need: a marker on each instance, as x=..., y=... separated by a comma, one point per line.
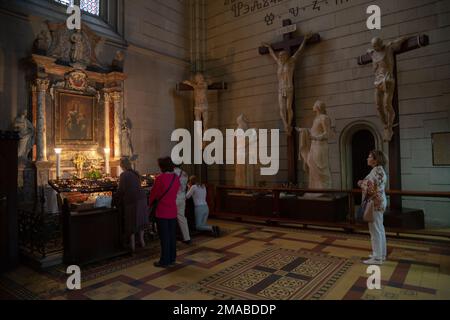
x=167, y=235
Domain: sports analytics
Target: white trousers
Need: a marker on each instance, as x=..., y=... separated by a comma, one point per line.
x=378, y=236
x=182, y=221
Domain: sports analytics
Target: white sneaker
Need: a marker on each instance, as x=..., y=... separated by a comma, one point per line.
x=371, y=256
x=373, y=261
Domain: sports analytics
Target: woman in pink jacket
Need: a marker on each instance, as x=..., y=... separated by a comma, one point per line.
x=164, y=192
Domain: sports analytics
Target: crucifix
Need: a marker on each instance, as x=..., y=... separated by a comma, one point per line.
x=201, y=87
x=290, y=49
x=384, y=59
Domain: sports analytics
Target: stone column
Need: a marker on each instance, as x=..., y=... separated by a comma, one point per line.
x=41, y=126
x=198, y=34
x=108, y=100
x=34, y=94
x=117, y=100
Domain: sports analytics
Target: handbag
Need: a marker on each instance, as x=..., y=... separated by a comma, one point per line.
x=361, y=210
x=155, y=202
x=365, y=212
x=368, y=212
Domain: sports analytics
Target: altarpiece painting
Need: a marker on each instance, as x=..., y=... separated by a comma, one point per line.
x=76, y=119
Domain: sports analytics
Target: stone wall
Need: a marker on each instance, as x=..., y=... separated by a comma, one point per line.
x=160, y=49
x=157, y=59
x=328, y=71
x=156, y=42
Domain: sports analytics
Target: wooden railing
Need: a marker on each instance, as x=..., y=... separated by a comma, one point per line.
x=350, y=224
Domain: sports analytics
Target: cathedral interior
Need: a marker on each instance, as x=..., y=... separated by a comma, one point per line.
x=307, y=140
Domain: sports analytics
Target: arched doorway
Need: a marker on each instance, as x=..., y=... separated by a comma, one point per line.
x=356, y=141
x=362, y=143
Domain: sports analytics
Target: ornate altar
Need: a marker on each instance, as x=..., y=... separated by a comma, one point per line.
x=76, y=189
x=76, y=106
x=76, y=109
x=92, y=227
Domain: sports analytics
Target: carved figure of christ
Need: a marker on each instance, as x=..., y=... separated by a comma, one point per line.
x=285, y=74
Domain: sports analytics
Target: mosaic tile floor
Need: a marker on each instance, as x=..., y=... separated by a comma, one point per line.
x=252, y=262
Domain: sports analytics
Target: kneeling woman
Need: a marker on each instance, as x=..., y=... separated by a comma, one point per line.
x=198, y=192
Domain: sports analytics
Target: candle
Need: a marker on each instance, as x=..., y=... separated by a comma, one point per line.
x=58, y=162
x=107, y=168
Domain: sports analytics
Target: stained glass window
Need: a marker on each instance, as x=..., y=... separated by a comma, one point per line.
x=66, y=2
x=91, y=6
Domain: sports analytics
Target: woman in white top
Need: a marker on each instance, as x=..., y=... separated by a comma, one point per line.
x=373, y=187
x=198, y=193
x=181, y=204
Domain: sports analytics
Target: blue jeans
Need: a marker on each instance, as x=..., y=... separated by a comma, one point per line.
x=167, y=235
x=201, y=216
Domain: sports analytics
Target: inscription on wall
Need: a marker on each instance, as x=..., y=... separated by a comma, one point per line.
x=240, y=8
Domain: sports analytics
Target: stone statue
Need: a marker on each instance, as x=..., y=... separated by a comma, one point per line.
x=76, y=47
x=244, y=173
x=127, y=146
x=383, y=57
x=118, y=61
x=200, y=86
x=42, y=42
x=314, y=149
x=26, y=134
x=286, y=67
x=77, y=51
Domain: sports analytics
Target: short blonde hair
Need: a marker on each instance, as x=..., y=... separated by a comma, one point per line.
x=379, y=157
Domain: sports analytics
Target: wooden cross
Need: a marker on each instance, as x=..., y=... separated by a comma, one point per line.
x=290, y=44
x=395, y=173
x=214, y=86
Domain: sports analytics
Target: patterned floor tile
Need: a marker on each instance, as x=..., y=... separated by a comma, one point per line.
x=205, y=257
x=252, y=261
x=113, y=291
x=306, y=275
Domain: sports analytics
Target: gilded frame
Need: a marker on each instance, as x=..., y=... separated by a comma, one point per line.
x=75, y=119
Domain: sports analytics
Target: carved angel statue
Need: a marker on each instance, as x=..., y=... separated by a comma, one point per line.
x=127, y=145
x=26, y=134
x=117, y=63
x=77, y=51
x=42, y=42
